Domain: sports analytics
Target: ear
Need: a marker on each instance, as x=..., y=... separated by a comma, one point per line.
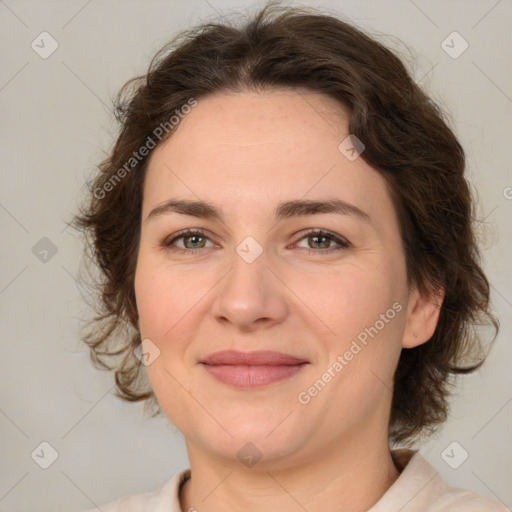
x=422, y=315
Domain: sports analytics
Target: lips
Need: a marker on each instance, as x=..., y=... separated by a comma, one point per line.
x=252, y=369
x=257, y=358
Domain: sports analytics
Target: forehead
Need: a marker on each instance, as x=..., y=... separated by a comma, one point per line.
x=257, y=149
x=279, y=118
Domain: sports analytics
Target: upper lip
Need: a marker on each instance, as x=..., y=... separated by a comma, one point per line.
x=256, y=358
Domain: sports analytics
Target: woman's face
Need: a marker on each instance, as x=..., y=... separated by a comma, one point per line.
x=258, y=278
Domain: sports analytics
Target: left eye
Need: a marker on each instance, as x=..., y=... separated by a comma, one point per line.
x=321, y=240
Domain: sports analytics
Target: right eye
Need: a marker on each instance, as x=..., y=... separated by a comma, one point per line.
x=197, y=237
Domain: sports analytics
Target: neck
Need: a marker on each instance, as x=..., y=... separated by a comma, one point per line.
x=352, y=477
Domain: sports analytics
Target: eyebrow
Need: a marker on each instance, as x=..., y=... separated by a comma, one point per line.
x=284, y=210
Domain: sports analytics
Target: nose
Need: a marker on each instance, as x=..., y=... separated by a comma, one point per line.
x=250, y=295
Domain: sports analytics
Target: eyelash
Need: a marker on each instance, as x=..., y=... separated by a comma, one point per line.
x=343, y=244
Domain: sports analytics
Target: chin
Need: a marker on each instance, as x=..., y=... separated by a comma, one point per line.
x=272, y=443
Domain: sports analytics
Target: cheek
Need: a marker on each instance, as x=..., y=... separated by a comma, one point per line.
x=162, y=296
x=171, y=305
x=164, y=304
x=350, y=298
x=151, y=300
x=363, y=306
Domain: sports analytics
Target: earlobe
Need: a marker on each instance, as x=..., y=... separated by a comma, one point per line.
x=422, y=316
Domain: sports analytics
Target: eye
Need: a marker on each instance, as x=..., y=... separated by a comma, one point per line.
x=321, y=240
x=197, y=240
x=194, y=239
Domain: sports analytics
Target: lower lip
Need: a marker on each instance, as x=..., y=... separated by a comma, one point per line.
x=243, y=376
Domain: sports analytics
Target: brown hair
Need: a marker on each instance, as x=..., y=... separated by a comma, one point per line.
x=407, y=140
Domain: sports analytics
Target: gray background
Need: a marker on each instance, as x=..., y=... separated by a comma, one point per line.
x=56, y=125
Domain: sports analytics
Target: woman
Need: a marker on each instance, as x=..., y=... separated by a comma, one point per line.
x=284, y=226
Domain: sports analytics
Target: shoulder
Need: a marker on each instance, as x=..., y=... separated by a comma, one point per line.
x=420, y=487
x=163, y=499
x=460, y=500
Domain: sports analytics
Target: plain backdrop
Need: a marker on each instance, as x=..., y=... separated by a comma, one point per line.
x=56, y=125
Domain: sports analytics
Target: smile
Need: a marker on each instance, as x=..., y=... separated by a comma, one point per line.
x=247, y=376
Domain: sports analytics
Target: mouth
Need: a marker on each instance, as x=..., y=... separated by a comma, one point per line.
x=252, y=369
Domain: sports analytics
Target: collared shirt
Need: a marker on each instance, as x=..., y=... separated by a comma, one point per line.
x=418, y=488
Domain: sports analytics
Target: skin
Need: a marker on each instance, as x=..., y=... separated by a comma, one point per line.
x=245, y=153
